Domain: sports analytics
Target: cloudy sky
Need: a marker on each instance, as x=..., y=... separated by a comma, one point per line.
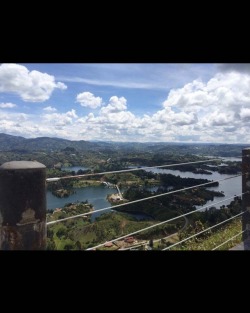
x=127, y=102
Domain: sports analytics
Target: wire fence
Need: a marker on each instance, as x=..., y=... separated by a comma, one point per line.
x=54, y=179
x=161, y=223
x=140, y=200
x=201, y=232
x=240, y=233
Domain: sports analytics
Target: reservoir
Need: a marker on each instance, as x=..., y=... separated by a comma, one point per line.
x=97, y=195
x=230, y=187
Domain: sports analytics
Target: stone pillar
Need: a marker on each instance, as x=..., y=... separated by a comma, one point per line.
x=246, y=197
x=23, y=206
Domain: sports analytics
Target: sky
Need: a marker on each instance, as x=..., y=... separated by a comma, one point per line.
x=135, y=102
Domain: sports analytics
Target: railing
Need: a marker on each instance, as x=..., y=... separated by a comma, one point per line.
x=23, y=204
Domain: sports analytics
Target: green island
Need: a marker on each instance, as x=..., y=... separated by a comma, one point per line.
x=62, y=193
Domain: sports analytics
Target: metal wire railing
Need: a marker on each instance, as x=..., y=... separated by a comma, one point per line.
x=158, y=224
x=148, y=198
x=201, y=232
x=222, y=244
x=140, y=200
x=53, y=179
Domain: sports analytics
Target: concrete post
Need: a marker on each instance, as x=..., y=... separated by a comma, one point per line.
x=246, y=197
x=22, y=206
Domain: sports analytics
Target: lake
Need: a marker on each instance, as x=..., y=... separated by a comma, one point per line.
x=74, y=168
x=97, y=195
x=230, y=187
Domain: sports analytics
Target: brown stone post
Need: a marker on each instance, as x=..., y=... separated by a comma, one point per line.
x=246, y=197
x=22, y=206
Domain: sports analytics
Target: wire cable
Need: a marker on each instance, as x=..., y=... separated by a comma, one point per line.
x=133, y=247
x=140, y=200
x=158, y=224
x=229, y=240
x=183, y=215
x=126, y=170
x=203, y=231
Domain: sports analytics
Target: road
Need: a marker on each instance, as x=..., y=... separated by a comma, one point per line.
x=119, y=192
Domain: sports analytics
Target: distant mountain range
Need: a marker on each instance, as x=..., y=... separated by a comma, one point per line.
x=21, y=144
x=12, y=143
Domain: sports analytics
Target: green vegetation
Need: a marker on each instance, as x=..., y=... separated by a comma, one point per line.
x=207, y=240
x=81, y=233
x=62, y=193
x=108, y=156
x=81, y=183
x=58, y=234
x=112, y=225
x=169, y=206
x=212, y=240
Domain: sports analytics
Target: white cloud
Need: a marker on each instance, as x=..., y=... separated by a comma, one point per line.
x=50, y=109
x=115, y=105
x=214, y=111
x=21, y=117
x=161, y=76
x=61, y=86
x=87, y=99
x=236, y=67
x=60, y=119
x=116, y=83
x=210, y=109
x=218, y=118
x=169, y=117
x=112, y=123
x=72, y=114
x=224, y=90
x=7, y=105
x=245, y=113
x=31, y=86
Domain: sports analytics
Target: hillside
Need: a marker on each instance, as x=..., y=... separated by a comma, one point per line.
x=16, y=143
x=8, y=142
x=20, y=144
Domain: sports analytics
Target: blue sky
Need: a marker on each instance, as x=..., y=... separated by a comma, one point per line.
x=127, y=102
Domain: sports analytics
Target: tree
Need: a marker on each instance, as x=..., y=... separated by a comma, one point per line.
x=68, y=246
x=78, y=245
x=80, y=172
x=50, y=233
x=51, y=244
x=62, y=231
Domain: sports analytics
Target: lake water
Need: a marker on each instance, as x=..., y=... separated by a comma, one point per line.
x=74, y=168
x=230, y=187
x=232, y=159
x=97, y=195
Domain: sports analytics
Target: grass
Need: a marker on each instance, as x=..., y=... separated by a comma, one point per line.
x=215, y=239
